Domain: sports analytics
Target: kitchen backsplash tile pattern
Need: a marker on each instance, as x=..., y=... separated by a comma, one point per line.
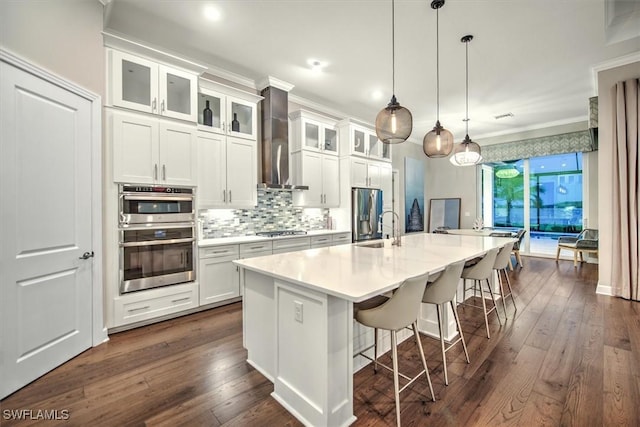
x=274, y=211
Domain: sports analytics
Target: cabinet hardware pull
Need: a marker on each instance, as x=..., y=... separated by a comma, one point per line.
x=224, y=196
x=146, y=307
x=153, y=105
x=162, y=106
x=230, y=200
x=222, y=126
x=164, y=172
x=155, y=171
x=256, y=247
x=180, y=300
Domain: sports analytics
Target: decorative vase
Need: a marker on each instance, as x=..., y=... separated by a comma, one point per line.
x=235, y=124
x=478, y=224
x=207, y=115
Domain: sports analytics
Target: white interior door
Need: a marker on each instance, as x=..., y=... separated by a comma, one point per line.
x=45, y=227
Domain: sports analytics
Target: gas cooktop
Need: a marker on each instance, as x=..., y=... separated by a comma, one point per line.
x=276, y=233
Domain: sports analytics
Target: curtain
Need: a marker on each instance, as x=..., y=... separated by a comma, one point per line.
x=572, y=142
x=626, y=203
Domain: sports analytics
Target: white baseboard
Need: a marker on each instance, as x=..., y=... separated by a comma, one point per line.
x=604, y=289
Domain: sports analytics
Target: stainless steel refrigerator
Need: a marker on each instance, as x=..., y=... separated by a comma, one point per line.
x=366, y=208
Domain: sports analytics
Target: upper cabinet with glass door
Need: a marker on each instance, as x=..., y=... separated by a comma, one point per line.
x=140, y=84
x=362, y=142
x=227, y=110
x=313, y=132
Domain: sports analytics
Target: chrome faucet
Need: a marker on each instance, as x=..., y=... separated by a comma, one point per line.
x=397, y=239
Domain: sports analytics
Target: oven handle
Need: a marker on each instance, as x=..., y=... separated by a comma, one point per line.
x=155, y=242
x=153, y=197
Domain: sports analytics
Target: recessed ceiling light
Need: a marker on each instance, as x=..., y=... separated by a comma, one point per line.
x=211, y=13
x=376, y=95
x=316, y=65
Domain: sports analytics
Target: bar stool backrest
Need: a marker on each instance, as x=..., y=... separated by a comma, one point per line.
x=443, y=289
x=401, y=310
x=502, y=259
x=483, y=269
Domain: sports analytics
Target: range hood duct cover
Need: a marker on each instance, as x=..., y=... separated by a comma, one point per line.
x=275, y=141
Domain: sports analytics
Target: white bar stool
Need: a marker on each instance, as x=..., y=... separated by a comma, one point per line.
x=502, y=262
x=396, y=313
x=439, y=292
x=479, y=273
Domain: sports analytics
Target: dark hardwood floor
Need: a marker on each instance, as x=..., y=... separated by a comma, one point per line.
x=567, y=357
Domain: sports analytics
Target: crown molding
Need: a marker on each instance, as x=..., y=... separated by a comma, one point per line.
x=271, y=81
x=612, y=63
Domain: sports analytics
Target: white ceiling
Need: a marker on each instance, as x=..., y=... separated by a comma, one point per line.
x=532, y=58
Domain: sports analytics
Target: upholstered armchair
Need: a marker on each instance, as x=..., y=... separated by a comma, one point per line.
x=586, y=241
x=516, y=248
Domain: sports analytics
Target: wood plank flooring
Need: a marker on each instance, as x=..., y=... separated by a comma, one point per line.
x=566, y=357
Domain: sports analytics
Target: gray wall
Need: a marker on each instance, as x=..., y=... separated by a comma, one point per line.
x=62, y=36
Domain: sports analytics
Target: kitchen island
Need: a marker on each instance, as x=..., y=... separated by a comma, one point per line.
x=298, y=313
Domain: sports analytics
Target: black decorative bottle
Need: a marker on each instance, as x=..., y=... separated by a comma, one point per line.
x=207, y=115
x=235, y=124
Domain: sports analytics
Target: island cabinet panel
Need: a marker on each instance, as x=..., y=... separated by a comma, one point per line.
x=319, y=321
x=259, y=329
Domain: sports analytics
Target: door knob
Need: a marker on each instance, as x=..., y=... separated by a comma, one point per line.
x=86, y=255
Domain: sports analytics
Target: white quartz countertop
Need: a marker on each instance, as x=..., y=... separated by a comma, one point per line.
x=250, y=239
x=356, y=272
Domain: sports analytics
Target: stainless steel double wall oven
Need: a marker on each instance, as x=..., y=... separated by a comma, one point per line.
x=156, y=236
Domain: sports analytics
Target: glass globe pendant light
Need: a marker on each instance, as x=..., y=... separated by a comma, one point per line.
x=394, y=123
x=466, y=153
x=439, y=141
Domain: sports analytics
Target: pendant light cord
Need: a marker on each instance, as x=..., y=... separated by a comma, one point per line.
x=467, y=90
x=437, y=65
x=393, y=48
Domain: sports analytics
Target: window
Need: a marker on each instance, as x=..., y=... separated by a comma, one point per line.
x=552, y=189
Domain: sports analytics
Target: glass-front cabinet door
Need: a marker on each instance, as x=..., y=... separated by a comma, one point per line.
x=211, y=110
x=374, y=146
x=177, y=93
x=330, y=141
x=358, y=142
x=241, y=118
x=134, y=82
x=311, y=138
x=386, y=151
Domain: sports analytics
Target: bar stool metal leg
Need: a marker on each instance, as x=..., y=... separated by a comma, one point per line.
x=424, y=360
x=396, y=386
x=444, y=357
x=455, y=315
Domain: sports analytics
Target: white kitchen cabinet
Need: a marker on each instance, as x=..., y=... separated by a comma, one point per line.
x=313, y=132
x=322, y=174
x=341, y=238
x=252, y=250
x=227, y=171
x=140, y=84
x=234, y=112
x=293, y=244
x=360, y=141
x=149, y=304
x=322, y=241
x=219, y=278
x=147, y=150
x=365, y=173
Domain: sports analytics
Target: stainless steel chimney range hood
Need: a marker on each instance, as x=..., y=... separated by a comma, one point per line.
x=275, y=137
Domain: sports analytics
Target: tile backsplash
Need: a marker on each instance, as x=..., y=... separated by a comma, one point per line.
x=274, y=211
